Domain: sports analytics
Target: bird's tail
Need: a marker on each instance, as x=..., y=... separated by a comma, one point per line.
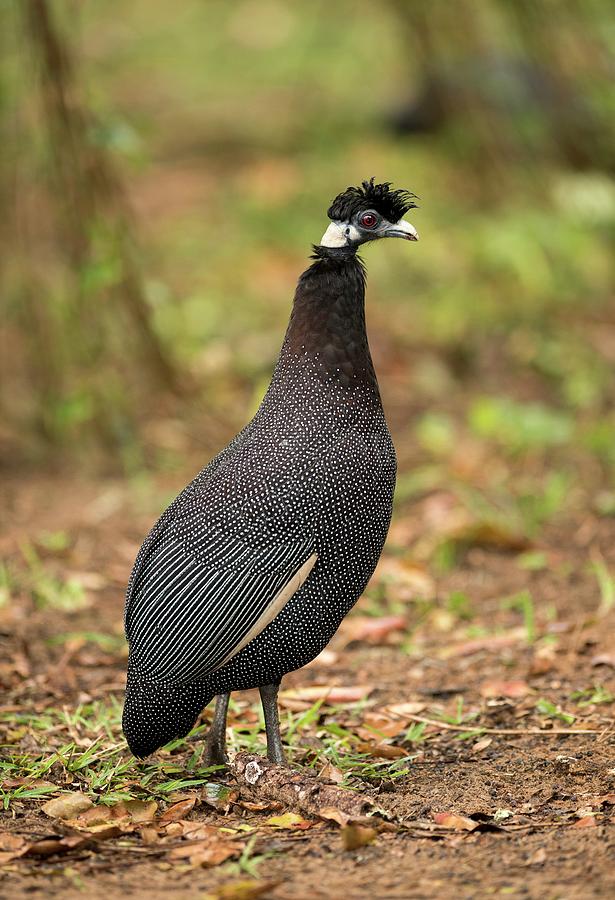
x=157, y=712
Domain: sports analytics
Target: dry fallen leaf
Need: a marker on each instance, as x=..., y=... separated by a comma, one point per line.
x=333, y=814
x=67, y=806
x=355, y=836
x=382, y=751
x=51, y=846
x=248, y=889
x=207, y=853
x=604, y=659
x=329, y=693
x=585, y=822
x=290, y=820
x=482, y=744
x=367, y=628
x=494, y=642
x=329, y=772
x=259, y=805
x=537, y=858
x=177, y=811
x=405, y=579
x=138, y=811
x=12, y=846
x=455, y=822
x=513, y=689
x=199, y=831
x=412, y=708
x=107, y=821
x=379, y=725
x=149, y=835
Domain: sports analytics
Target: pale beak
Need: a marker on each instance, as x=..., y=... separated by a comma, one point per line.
x=402, y=229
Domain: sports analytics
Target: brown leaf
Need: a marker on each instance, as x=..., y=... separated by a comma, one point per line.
x=11, y=842
x=108, y=821
x=374, y=631
x=455, y=822
x=177, y=811
x=537, y=858
x=248, y=889
x=604, y=659
x=199, y=831
x=494, y=642
x=585, y=822
x=482, y=744
x=333, y=814
x=379, y=725
x=331, y=694
x=490, y=534
x=290, y=821
x=206, y=854
x=67, y=806
x=259, y=805
x=138, y=811
x=106, y=830
x=96, y=815
x=51, y=846
x=149, y=835
x=403, y=710
x=25, y=779
x=514, y=689
x=355, y=836
x=12, y=846
x=405, y=579
x=329, y=772
x=383, y=751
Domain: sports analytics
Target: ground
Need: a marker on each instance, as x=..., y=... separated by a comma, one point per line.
x=504, y=653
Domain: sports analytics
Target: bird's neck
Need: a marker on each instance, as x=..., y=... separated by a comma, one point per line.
x=326, y=333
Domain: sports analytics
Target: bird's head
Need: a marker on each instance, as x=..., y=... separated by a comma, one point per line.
x=368, y=213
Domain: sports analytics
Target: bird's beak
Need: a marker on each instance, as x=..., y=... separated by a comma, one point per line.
x=402, y=229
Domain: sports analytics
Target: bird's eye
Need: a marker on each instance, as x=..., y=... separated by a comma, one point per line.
x=368, y=220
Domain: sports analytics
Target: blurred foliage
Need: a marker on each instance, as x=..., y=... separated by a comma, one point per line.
x=166, y=169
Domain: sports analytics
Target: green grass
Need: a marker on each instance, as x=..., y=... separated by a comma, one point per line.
x=96, y=760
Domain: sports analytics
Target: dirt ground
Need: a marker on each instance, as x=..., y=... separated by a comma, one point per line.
x=485, y=799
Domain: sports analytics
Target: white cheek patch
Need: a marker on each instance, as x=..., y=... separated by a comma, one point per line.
x=334, y=236
x=339, y=234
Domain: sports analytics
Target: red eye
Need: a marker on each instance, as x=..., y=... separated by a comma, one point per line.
x=368, y=220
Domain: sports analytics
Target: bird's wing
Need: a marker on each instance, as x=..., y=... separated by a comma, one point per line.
x=158, y=531
x=186, y=618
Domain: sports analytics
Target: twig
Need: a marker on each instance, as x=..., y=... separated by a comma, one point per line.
x=446, y=726
x=265, y=779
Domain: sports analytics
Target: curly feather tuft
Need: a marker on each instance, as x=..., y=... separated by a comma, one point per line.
x=393, y=205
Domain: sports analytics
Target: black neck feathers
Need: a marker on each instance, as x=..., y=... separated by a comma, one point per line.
x=327, y=324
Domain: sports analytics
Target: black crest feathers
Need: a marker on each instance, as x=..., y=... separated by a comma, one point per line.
x=390, y=204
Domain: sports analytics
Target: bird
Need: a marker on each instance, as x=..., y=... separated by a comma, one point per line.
x=248, y=573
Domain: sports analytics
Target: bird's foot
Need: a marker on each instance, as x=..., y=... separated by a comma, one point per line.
x=277, y=756
x=215, y=754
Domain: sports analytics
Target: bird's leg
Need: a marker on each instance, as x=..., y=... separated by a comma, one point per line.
x=215, y=752
x=269, y=699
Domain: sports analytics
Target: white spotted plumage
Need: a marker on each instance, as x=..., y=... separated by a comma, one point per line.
x=307, y=487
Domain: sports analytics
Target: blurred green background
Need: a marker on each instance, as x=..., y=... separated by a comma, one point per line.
x=166, y=167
